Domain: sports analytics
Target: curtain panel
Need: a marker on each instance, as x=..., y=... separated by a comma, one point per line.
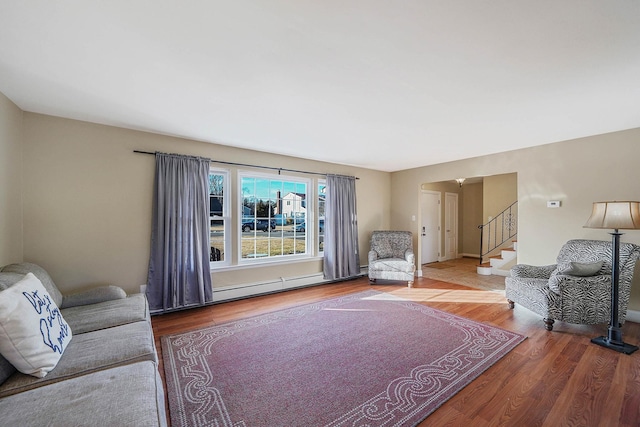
x=341, y=253
x=179, y=274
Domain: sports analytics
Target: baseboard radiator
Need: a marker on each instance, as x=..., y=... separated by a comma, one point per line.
x=229, y=293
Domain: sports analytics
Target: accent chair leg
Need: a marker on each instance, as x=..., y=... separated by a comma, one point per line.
x=372, y=281
x=410, y=283
x=548, y=324
x=511, y=304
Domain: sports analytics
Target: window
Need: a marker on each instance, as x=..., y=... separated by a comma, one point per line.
x=274, y=215
x=322, y=186
x=219, y=217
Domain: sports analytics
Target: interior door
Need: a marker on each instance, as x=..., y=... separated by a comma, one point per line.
x=430, y=226
x=451, y=225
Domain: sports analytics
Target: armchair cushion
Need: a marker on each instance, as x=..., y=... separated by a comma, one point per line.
x=581, y=269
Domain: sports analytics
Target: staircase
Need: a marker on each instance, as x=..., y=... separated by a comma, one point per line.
x=494, y=236
x=500, y=264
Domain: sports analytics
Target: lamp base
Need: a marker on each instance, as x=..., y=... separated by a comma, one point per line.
x=618, y=346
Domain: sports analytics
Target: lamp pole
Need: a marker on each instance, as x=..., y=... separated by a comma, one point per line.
x=613, y=340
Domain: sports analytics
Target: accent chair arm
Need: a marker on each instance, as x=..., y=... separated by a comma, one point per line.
x=409, y=256
x=599, y=287
x=373, y=255
x=93, y=296
x=532, y=271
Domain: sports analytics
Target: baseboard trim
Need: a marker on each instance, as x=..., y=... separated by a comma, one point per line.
x=467, y=255
x=633, y=316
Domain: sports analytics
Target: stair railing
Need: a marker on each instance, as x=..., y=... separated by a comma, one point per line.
x=501, y=228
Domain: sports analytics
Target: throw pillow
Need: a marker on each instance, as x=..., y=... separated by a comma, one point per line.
x=579, y=268
x=33, y=333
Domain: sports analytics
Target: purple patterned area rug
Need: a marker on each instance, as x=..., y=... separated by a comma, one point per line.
x=366, y=359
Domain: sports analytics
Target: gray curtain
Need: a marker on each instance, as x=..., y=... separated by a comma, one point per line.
x=179, y=273
x=341, y=253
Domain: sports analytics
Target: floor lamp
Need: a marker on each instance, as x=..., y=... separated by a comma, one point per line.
x=616, y=216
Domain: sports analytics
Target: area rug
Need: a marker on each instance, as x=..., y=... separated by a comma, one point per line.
x=366, y=359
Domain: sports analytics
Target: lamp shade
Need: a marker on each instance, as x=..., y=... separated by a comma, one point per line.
x=616, y=215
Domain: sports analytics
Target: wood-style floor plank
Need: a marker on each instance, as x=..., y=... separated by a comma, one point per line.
x=551, y=379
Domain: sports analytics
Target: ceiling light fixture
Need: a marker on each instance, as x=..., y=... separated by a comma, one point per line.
x=460, y=181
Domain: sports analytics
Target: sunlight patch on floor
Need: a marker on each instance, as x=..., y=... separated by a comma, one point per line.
x=450, y=295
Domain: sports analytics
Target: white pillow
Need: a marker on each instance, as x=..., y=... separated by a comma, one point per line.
x=33, y=333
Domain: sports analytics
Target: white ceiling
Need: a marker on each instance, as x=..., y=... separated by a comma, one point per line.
x=386, y=85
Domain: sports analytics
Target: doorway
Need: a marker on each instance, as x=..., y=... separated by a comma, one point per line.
x=429, y=226
x=451, y=225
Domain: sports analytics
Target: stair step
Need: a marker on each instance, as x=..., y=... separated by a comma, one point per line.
x=484, y=269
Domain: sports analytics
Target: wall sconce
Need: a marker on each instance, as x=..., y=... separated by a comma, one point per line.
x=460, y=181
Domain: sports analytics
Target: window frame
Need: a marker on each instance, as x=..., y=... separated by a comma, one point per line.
x=321, y=182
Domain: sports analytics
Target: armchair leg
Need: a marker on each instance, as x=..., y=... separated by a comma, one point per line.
x=511, y=304
x=410, y=283
x=372, y=281
x=548, y=324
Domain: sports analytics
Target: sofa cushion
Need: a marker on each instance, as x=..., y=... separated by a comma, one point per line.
x=27, y=267
x=33, y=333
x=6, y=369
x=129, y=395
x=93, y=351
x=86, y=318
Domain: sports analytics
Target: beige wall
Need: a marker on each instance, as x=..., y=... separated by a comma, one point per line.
x=87, y=202
x=11, y=246
x=471, y=217
x=576, y=172
x=499, y=192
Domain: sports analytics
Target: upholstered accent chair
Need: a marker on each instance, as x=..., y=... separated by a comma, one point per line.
x=391, y=256
x=577, y=289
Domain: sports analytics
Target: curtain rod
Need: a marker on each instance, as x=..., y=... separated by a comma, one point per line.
x=261, y=167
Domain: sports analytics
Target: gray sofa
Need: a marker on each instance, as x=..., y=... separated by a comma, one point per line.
x=108, y=374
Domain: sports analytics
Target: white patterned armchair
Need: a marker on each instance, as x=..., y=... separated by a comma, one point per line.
x=577, y=289
x=391, y=256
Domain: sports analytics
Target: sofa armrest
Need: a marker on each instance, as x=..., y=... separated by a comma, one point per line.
x=373, y=255
x=532, y=271
x=93, y=296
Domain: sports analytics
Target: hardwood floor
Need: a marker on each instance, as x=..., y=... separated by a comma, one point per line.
x=551, y=379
